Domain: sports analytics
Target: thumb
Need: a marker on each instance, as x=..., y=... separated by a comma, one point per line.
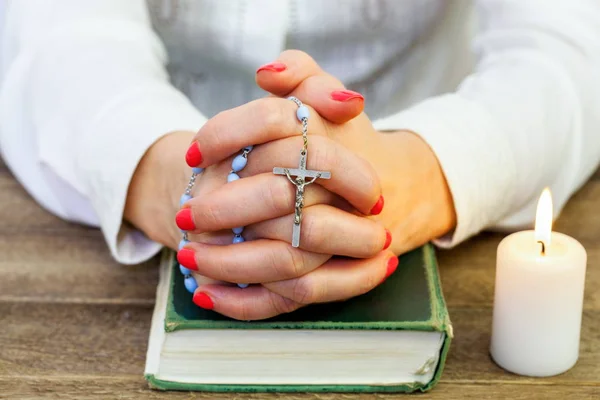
x=295, y=73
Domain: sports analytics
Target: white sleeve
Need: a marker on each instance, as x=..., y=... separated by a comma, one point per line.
x=84, y=94
x=525, y=119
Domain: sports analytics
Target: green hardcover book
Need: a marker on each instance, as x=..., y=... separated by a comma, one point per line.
x=392, y=339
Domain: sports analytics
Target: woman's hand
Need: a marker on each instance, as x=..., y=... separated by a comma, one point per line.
x=162, y=174
x=419, y=204
x=156, y=187
x=333, y=222
x=292, y=277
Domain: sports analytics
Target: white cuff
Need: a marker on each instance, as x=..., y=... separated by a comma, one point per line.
x=120, y=135
x=474, y=155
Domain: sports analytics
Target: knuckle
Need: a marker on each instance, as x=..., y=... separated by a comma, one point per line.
x=209, y=215
x=218, y=268
x=270, y=113
x=223, y=270
x=279, y=196
x=375, y=244
x=323, y=153
x=312, y=230
x=281, y=305
x=372, y=177
x=283, y=265
x=243, y=312
x=303, y=291
x=367, y=284
x=213, y=130
x=294, y=262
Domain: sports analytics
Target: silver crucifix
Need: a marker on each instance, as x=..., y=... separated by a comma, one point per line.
x=301, y=173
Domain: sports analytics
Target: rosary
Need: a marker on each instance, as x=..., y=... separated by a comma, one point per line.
x=301, y=173
x=297, y=176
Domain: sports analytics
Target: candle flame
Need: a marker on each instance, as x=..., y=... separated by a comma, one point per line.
x=543, y=218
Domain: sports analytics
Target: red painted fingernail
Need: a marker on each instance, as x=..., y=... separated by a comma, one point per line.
x=391, y=267
x=345, y=95
x=388, y=239
x=273, y=67
x=184, y=220
x=377, y=207
x=193, y=157
x=187, y=258
x=202, y=300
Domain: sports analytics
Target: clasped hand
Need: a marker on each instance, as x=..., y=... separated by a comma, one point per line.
x=344, y=250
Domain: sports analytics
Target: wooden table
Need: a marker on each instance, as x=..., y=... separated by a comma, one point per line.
x=74, y=324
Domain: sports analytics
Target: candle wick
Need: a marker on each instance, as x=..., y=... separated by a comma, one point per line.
x=543, y=247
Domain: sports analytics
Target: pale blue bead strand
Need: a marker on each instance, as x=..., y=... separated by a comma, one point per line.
x=184, y=271
x=190, y=283
x=302, y=112
x=232, y=177
x=238, y=239
x=184, y=198
x=238, y=164
x=188, y=280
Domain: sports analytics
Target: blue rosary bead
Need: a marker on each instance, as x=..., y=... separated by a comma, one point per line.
x=238, y=239
x=232, y=177
x=184, y=270
x=239, y=163
x=184, y=198
x=302, y=112
x=190, y=284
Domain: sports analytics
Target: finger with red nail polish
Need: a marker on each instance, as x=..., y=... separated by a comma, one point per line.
x=272, y=67
x=346, y=95
x=378, y=207
x=337, y=279
x=184, y=219
x=391, y=266
x=203, y=300
x=252, y=303
x=193, y=157
x=388, y=239
x=304, y=79
x=187, y=258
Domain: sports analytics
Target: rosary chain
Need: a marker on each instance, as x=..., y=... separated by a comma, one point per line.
x=305, y=135
x=190, y=185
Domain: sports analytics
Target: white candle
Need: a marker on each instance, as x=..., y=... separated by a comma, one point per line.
x=538, y=299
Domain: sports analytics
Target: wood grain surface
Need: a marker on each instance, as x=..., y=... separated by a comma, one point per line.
x=74, y=324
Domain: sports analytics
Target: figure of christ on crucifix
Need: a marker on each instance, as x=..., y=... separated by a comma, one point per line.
x=300, y=182
x=301, y=173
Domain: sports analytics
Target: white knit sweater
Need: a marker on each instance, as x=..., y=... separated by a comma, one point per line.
x=509, y=100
